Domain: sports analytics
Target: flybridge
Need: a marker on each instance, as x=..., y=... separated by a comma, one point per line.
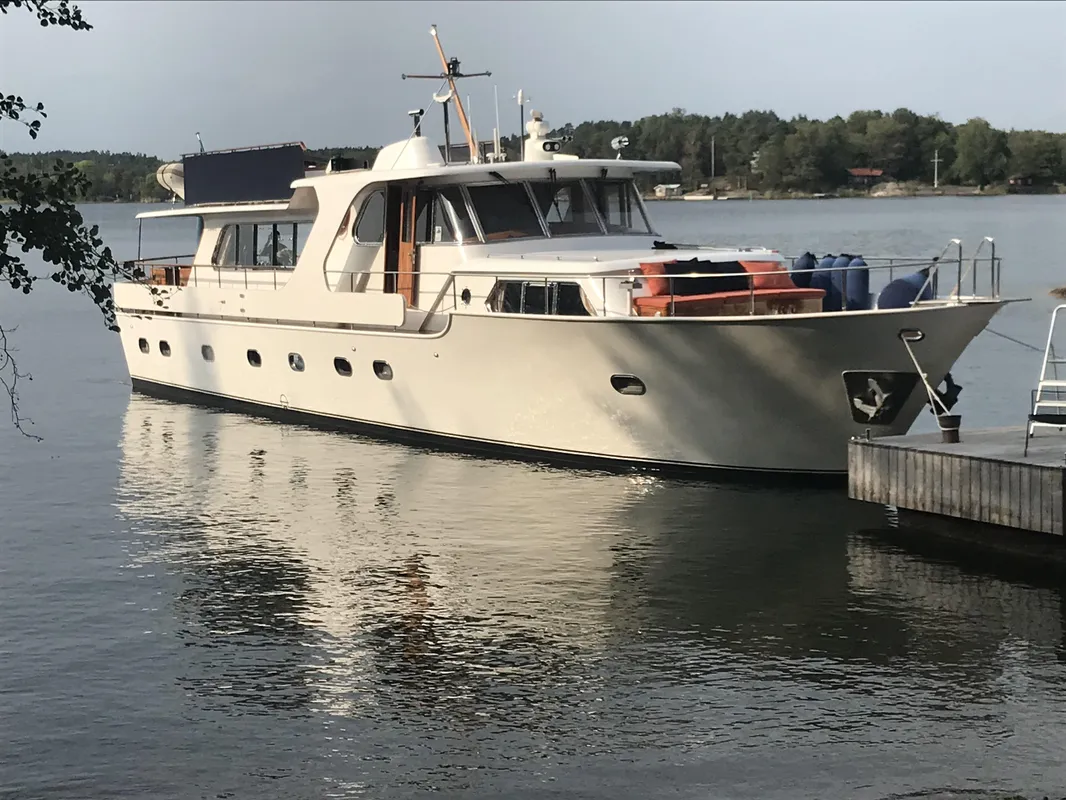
x=260, y=174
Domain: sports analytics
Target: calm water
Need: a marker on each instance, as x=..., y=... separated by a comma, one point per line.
x=195, y=604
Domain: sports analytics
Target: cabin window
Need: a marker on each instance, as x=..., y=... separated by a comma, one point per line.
x=383, y=370
x=566, y=207
x=207, y=352
x=164, y=348
x=453, y=217
x=268, y=245
x=254, y=358
x=369, y=227
x=143, y=345
x=343, y=367
x=505, y=211
x=296, y=362
x=564, y=298
x=275, y=246
x=619, y=206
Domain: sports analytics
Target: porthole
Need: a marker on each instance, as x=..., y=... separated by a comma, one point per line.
x=254, y=358
x=383, y=370
x=628, y=384
x=164, y=348
x=207, y=352
x=465, y=296
x=143, y=344
x=296, y=362
x=343, y=367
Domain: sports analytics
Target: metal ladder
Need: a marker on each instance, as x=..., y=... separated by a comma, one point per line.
x=1050, y=394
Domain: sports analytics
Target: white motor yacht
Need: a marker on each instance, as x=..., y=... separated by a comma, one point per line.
x=531, y=308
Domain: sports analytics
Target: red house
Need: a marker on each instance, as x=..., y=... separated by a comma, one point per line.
x=864, y=176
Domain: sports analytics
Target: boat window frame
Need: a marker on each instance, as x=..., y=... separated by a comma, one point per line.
x=476, y=218
x=637, y=203
x=636, y=200
x=375, y=188
x=590, y=199
x=297, y=224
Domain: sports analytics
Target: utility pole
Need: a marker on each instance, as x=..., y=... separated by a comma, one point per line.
x=936, y=168
x=712, y=162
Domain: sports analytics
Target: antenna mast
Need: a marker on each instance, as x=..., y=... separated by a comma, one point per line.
x=450, y=74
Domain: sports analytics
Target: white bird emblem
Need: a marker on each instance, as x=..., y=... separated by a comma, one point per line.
x=879, y=398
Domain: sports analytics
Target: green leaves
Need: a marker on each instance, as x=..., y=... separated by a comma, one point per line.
x=42, y=217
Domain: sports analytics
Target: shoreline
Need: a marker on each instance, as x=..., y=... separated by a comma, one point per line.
x=880, y=192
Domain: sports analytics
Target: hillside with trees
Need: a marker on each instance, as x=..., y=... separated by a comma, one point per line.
x=756, y=150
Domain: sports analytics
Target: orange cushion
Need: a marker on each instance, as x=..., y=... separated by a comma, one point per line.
x=657, y=286
x=769, y=274
x=721, y=298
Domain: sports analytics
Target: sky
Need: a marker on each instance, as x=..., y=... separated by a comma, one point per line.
x=244, y=72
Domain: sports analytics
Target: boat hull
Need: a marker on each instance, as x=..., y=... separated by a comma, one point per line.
x=743, y=394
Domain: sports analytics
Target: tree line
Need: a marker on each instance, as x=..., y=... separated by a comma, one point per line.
x=756, y=150
x=761, y=150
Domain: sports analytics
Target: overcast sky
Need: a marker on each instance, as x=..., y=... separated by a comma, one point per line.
x=151, y=74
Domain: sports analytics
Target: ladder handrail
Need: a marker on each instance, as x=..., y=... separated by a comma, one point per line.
x=973, y=266
x=935, y=269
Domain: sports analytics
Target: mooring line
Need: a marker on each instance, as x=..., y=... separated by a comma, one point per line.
x=1016, y=341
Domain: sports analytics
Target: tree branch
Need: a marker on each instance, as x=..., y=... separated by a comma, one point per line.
x=9, y=378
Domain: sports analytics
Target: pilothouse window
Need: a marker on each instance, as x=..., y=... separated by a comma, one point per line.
x=505, y=211
x=453, y=217
x=566, y=207
x=369, y=228
x=619, y=206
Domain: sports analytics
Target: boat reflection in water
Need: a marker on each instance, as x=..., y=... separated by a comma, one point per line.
x=318, y=572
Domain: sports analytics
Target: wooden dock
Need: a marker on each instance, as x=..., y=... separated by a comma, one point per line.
x=983, y=478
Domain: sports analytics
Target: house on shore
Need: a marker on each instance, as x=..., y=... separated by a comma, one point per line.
x=667, y=190
x=865, y=176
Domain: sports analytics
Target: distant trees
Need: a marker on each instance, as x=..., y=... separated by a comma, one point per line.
x=761, y=150
x=981, y=153
x=756, y=149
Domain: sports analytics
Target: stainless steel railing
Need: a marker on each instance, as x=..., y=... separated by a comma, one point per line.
x=169, y=270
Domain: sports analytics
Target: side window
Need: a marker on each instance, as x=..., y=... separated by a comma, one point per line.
x=265, y=245
x=275, y=245
x=454, y=210
x=538, y=297
x=369, y=226
x=226, y=252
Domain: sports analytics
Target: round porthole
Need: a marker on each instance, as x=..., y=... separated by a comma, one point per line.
x=466, y=296
x=164, y=348
x=628, y=384
x=143, y=345
x=383, y=370
x=254, y=358
x=296, y=362
x=207, y=352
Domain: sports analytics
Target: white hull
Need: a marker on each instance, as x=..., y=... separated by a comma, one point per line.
x=744, y=393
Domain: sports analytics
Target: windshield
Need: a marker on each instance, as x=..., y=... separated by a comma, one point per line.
x=569, y=207
x=619, y=206
x=505, y=211
x=566, y=207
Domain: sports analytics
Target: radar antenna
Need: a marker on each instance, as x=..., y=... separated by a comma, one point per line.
x=450, y=75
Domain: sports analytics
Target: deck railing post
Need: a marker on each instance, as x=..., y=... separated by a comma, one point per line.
x=671, y=295
x=751, y=294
